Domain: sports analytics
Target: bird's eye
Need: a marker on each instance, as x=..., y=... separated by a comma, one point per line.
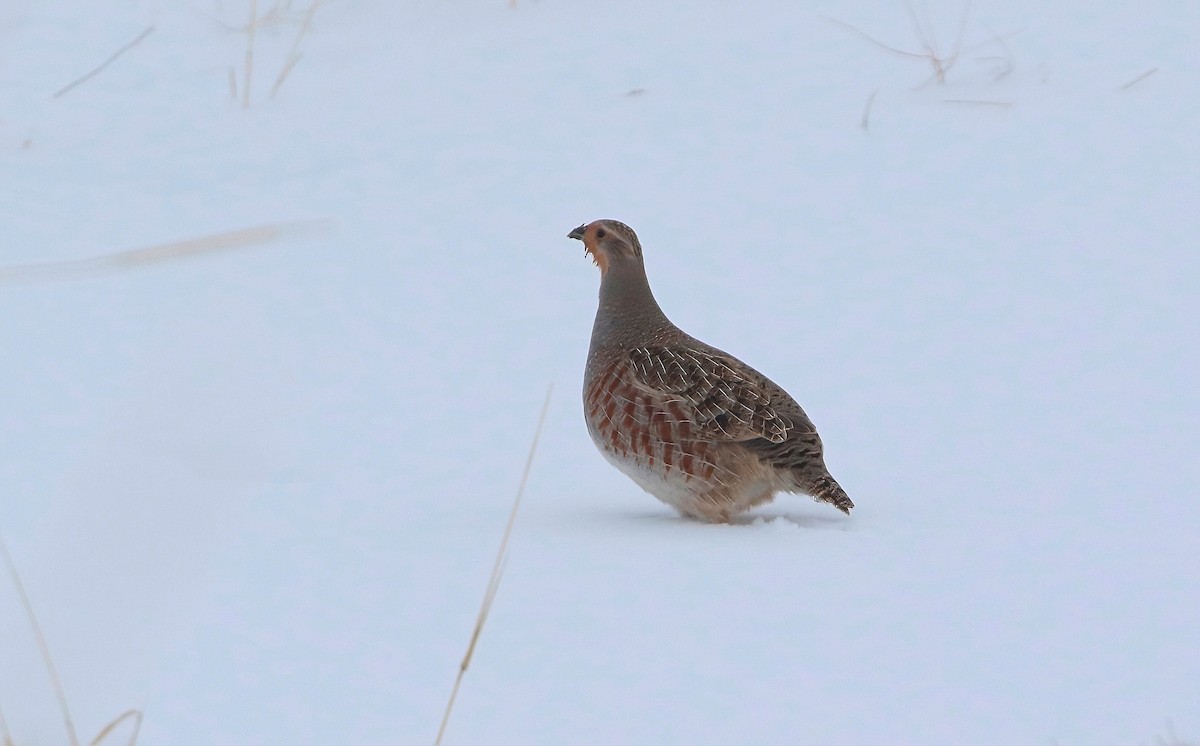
x=600, y=233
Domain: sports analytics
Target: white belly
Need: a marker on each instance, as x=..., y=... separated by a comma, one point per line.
x=676, y=492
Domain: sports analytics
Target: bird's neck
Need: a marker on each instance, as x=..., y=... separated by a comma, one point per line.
x=628, y=315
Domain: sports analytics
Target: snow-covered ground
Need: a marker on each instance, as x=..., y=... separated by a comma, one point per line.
x=257, y=494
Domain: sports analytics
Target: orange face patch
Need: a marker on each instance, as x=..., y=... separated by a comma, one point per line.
x=589, y=247
x=598, y=259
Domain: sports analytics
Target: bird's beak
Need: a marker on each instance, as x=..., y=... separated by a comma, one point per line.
x=578, y=232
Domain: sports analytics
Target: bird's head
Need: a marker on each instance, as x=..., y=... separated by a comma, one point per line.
x=610, y=243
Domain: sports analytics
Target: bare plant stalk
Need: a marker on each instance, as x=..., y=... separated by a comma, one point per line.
x=134, y=715
x=146, y=32
x=233, y=84
x=96, y=265
x=1005, y=59
x=924, y=31
x=285, y=71
x=976, y=102
x=1138, y=79
x=497, y=569
x=8, y=741
x=249, y=53
x=865, y=123
x=872, y=39
x=294, y=53
x=55, y=681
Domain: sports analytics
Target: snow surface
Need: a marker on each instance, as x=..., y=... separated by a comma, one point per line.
x=258, y=494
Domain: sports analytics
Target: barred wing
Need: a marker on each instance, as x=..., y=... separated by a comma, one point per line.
x=725, y=399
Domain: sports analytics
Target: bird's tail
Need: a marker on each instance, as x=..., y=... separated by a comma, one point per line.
x=826, y=489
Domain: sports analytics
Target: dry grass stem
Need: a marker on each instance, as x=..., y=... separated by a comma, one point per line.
x=283, y=73
x=55, y=681
x=976, y=102
x=249, y=54
x=72, y=736
x=1004, y=62
x=1171, y=739
x=134, y=715
x=233, y=84
x=865, y=123
x=941, y=65
x=146, y=32
x=940, y=62
x=294, y=53
x=1138, y=79
x=924, y=31
x=872, y=39
x=105, y=263
x=497, y=569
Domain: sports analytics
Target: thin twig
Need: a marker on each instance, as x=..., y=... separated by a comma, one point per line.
x=97, y=265
x=55, y=681
x=497, y=569
x=135, y=715
x=925, y=34
x=294, y=53
x=976, y=102
x=962, y=30
x=249, y=54
x=1006, y=58
x=1138, y=79
x=865, y=123
x=927, y=38
x=923, y=30
x=283, y=73
x=872, y=39
x=146, y=32
x=8, y=741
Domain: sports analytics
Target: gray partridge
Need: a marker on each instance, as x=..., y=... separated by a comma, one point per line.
x=692, y=425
